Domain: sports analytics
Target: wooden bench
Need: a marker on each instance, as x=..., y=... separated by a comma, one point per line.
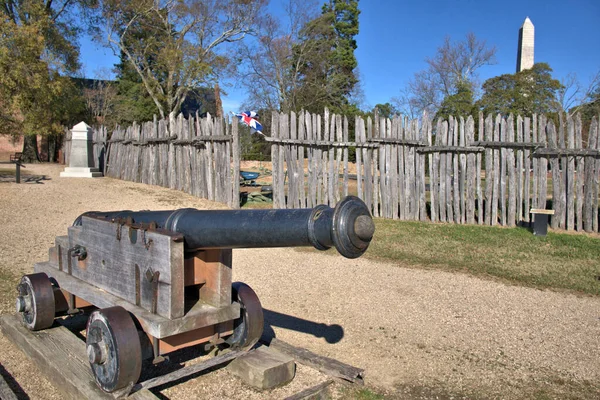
x=540, y=220
x=16, y=159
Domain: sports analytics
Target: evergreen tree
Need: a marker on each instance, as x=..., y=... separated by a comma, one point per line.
x=327, y=75
x=343, y=62
x=271, y=63
x=132, y=102
x=459, y=104
x=386, y=110
x=527, y=92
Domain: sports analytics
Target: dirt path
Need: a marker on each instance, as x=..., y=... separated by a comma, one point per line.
x=417, y=333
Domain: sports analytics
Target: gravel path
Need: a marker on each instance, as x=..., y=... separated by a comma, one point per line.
x=417, y=333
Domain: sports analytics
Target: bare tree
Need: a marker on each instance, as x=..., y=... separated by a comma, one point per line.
x=272, y=62
x=100, y=97
x=573, y=94
x=406, y=104
x=454, y=64
x=173, y=45
x=458, y=62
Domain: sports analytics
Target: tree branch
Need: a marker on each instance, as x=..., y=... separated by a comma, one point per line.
x=60, y=11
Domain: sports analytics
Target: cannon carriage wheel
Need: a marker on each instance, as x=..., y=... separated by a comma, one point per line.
x=35, y=301
x=248, y=328
x=113, y=348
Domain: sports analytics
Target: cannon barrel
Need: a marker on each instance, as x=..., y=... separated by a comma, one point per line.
x=349, y=226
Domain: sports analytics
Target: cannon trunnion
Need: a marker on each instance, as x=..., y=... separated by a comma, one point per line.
x=157, y=281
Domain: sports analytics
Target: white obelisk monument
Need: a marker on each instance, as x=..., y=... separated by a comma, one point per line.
x=81, y=158
x=526, y=42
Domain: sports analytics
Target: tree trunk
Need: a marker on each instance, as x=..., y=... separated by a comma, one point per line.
x=30, y=149
x=53, y=147
x=219, y=103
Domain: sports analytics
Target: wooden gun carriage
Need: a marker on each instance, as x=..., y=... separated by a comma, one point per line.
x=159, y=281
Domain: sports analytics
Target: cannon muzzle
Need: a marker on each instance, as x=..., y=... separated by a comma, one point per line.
x=349, y=226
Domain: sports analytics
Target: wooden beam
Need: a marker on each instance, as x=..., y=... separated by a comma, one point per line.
x=507, y=145
x=320, y=143
x=326, y=365
x=264, y=368
x=450, y=149
x=215, y=266
x=62, y=357
x=185, y=372
x=541, y=211
x=406, y=142
x=566, y=152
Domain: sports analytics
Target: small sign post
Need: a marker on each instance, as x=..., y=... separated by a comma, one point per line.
x=540, y=221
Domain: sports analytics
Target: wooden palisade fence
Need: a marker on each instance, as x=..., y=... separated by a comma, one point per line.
x=413, y=170
x=405, y=169
x=192, y=155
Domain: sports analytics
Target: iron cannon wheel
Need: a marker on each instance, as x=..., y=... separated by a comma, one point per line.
x=113, y=348
x=35, y=301
x=248, y=328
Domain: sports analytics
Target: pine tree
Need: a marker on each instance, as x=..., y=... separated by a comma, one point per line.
x=132, y=102
x=328, y=73
x=460, y=104
x=527, y=92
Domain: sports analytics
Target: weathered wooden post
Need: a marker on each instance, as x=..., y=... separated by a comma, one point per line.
x=81, y=156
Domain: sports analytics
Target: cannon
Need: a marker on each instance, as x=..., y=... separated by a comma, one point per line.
x=153, y=282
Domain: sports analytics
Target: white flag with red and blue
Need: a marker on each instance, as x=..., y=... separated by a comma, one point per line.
x=249, y=118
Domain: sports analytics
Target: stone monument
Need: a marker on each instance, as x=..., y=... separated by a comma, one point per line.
x=81, y=156
x=526, y=42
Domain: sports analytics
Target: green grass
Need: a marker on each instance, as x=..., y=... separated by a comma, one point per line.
x=558, y=261
x=257, y=205
x=367, y=394
x=361, y=394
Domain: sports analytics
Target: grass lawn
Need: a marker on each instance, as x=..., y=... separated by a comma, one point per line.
x=558, y=261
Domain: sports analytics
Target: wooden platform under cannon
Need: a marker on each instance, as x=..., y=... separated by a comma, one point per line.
x=61, y=356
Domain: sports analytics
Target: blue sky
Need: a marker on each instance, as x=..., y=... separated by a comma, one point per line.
x=396, y=36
